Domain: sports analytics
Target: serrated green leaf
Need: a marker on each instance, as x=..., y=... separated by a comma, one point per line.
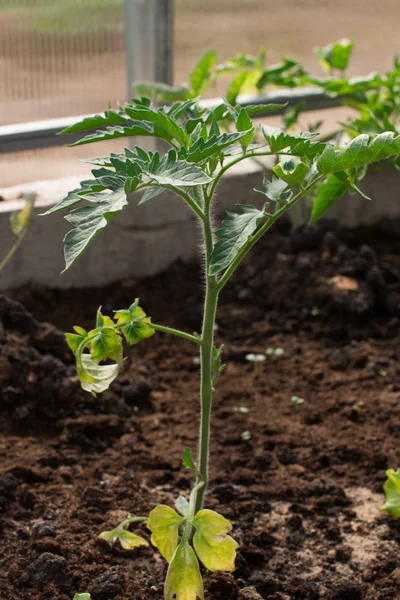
x=203, y=150
x=328, y=193
x=176, y=173
x=234, y=233
x=164, y=525
x=183, y=577
x=202, y=71
x=168, y=128
x=275, y=190
x=76, y=196
x=131, y=129
x=392, y=493
x=336, y=55
x=109, y=118
x=238, y=62
x=292, y=171
x=244, y=124
x=215, y=549
x=89, y=220
x=279, y=140
x=359, y=152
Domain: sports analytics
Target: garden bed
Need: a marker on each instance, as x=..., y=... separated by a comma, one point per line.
x=302, y=486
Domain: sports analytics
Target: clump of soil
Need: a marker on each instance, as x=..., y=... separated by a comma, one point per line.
x=302, y=487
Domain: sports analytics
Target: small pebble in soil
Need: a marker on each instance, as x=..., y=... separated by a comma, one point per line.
x=108, y=585
x=347, y=591
x=138, y=395
x=49, y=567
x=249, y=593
x=43, y=529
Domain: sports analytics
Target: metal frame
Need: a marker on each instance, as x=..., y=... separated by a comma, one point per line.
x=149, y=56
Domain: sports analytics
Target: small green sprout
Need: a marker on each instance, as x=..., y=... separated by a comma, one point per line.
x=128, y=540
x=383, y=373
x=275, y=352
x=82, y=597
x=19, y=224
x=392, y=493
x=315, y=311
x=297, y=401
x=359, y=405
x=241, y=409
x=256, y=359
x=246, y=436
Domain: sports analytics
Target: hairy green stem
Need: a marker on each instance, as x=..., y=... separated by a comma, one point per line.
x=206, y=386
x=177, y=332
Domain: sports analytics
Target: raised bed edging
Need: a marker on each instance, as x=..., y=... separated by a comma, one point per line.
x=145, y=240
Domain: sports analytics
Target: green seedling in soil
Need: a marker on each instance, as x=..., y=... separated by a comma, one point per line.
x=275, y=352
x=256, y=359
x=19, y=223
x=82, y=597
x=297, y=402
x=199, y=156
x=392, y=493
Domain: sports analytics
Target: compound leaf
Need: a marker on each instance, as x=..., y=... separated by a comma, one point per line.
x=392, y=492
x=233, y=234
x=164, y=525
x=183, y=577
x=109, y=118
x=89, y=220
x=202, y=150
x=216, y=549
x=275, y=190
x=359, y=152
x=300, y=144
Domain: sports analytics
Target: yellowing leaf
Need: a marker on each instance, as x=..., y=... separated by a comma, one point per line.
x=127, y=539
x=183, y=578
x=137, y=326
x=215, y=549
x=164, y=525
x=392, y=492
x=96, y=378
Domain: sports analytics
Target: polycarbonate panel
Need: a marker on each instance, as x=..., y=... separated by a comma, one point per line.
x=60, y=58
x=290, y=27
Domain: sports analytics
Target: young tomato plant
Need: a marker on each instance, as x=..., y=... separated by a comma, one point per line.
x=19, y=223
x=199, y=156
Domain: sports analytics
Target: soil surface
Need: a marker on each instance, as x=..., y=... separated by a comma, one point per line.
x=302, y=484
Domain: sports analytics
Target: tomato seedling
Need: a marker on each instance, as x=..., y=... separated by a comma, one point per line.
x=199, y=156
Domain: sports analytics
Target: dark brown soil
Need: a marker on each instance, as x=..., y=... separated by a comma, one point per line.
x=303, y=492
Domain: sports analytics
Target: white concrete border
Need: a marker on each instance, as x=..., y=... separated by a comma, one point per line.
x=144, y=240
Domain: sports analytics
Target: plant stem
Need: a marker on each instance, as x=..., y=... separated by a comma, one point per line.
x=12, y=250
x=206, y=355
x=206, y=387
x=177, y=332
